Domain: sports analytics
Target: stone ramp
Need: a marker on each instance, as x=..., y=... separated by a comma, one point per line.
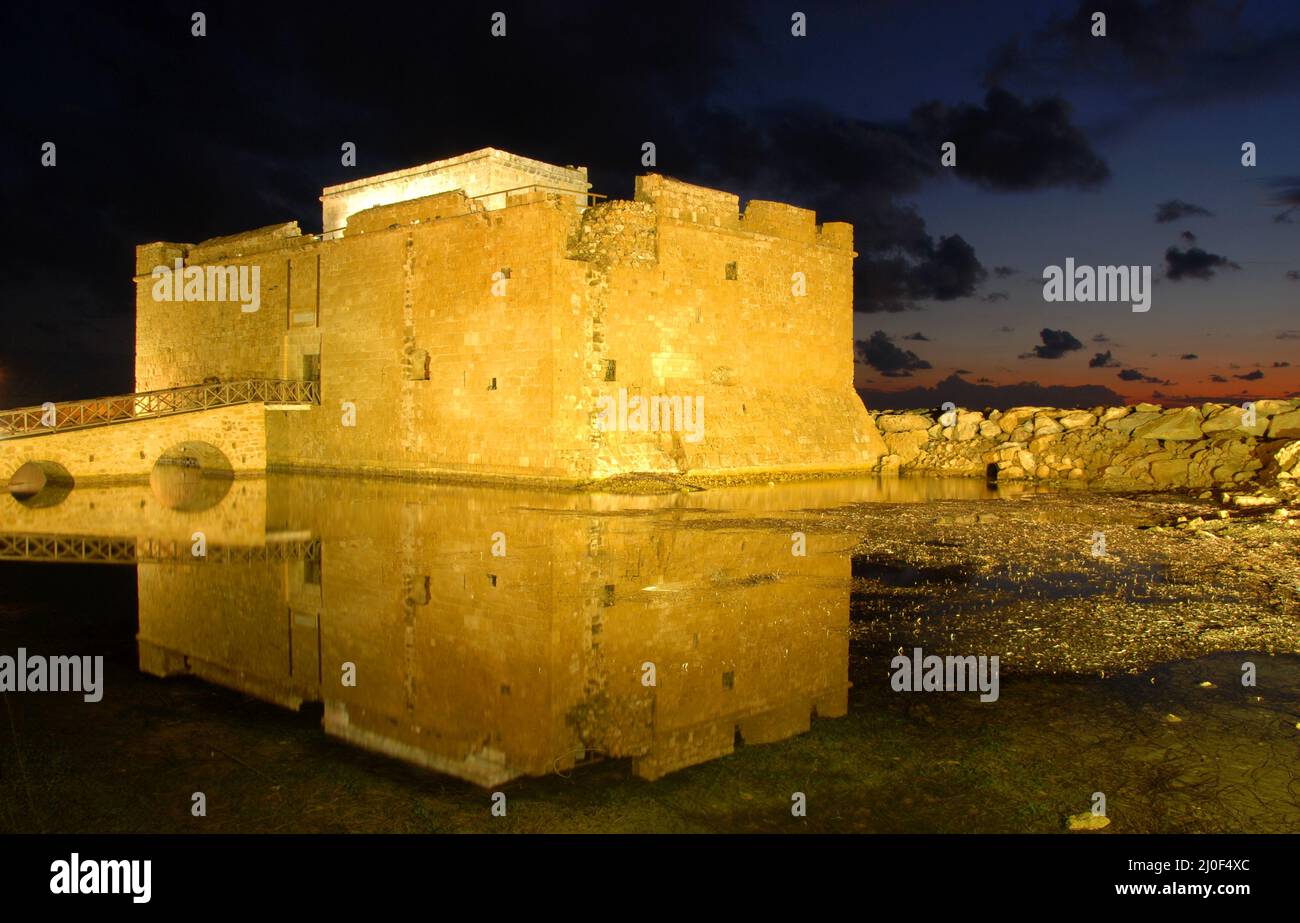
x=220, y=426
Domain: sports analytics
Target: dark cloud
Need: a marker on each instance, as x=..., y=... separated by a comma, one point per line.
x=1138, y=375
x=1005, y=329
x=846, y=169
x=1003, y=271
x=1189, y=356
x=1288, y=335
x=1286, y=195
x=1188, y=236
x=918, y=336
x=949, y=270
x=1194, y=263
x=1293, y=275
x=883, y=355
x=1251, y=376
x=1100, y=338
x=1103, y=361
x=1056, y=343
x=994, y=297
x=272, y=99
x=117, y=70
x=1218, y=378
x=1010, y=145
x=1143, y=40
x=985, y=394
x=866, y=172
x=1157, y=55
x=1281, y=365
x=1174, y=209
x=963, y=372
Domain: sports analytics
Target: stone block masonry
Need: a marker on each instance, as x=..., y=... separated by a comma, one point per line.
x=128, y=451
x=475, y=312
x=1141, y=447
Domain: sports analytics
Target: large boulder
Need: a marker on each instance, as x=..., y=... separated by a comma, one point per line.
x=1131, y=422
x=1183, y=425
x=902, y=422
x=1267, y=406
x=1169, y=472
x=1230, y=418
x=1045, y=425
x=906, y=445
x=1285, y=426
x=1012, y=419
x=1076, y=419
x=1288, y=459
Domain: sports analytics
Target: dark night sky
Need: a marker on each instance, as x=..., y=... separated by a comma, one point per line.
x=1068, y=146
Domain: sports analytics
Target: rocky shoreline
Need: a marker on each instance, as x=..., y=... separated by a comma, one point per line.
x=1144, y=447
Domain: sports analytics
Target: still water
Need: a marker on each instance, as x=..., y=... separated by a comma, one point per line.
x=379, y=655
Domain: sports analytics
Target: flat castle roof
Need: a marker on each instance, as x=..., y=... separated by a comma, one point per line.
x=487, y=174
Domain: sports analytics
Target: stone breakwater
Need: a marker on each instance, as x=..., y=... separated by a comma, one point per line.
x=1125, y=448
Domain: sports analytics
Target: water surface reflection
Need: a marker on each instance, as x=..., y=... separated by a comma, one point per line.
x=496, y=633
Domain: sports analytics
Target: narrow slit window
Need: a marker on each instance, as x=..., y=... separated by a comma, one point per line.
x=732, y=273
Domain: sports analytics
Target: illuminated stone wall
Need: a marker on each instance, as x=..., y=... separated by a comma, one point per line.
x=186, y=342
x=676, y=294
x=774, y=369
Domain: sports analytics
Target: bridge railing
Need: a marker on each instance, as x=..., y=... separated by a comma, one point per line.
x=100, y=549
x=104, y=411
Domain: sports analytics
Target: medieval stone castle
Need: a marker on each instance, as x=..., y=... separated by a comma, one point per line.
x=482, y=316
x=470, y=314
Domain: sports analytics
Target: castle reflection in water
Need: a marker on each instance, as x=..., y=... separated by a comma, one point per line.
x=489, y=666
